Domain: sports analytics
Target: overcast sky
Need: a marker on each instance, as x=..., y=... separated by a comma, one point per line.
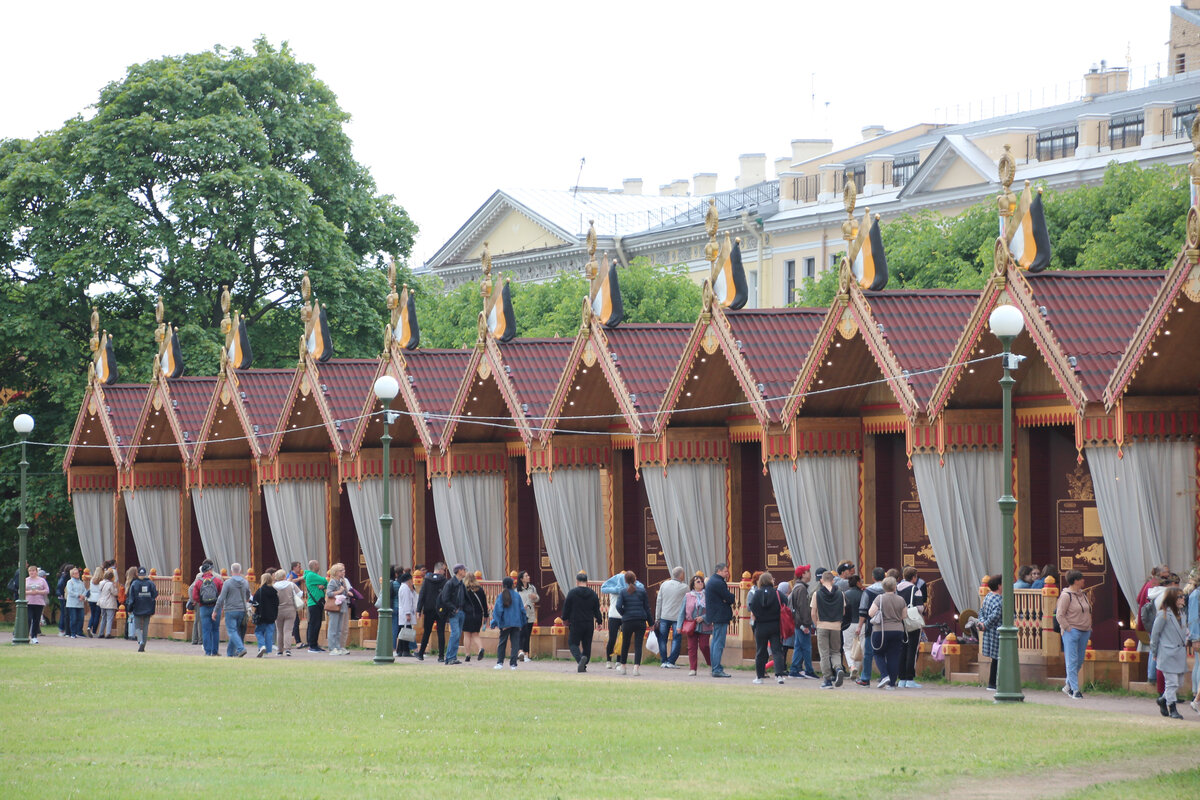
x=452, y=101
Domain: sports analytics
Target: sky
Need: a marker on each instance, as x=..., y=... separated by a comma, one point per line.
x=451, y=101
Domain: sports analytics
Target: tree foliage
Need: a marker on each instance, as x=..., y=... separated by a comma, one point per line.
x=224, y=167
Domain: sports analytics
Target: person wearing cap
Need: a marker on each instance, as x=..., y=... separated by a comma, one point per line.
x=828, y=609
x=452, y=601
x=669, y=603
x=140, y=604
x=204, y=621
x=581, y=611
x=802, y=666
x=844, y=571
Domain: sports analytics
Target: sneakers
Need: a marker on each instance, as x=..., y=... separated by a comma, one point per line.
x=35, y=641
x=314, y=650
x=1066, y=690
x=915, y=685
x=512, y=666
x=861, y=682
x=142, y=647
x=757, y=681
x=692, y=674
x=841, y=676
x=826, y=685
x=525, y=657
x=883, y=682
x=721, y=674
x=241, y=653
x=636, y=670
x=800, y=675
x=779, y=679
x=420, y=656
x=262, y=651
x=499, y=665
x=608, y=664
x=669, y=665
x=1195, y=706
x=811, y=675
x=1078, y=695
x=990, y=688
x=620, y=669
x=581, y=667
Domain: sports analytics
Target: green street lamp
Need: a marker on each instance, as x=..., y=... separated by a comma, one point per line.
x=386, y=389
x=1006, y=323
x=23, y=424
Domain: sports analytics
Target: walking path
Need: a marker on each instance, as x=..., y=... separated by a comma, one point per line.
x=1133, y=706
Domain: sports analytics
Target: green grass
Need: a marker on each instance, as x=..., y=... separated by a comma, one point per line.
x=106, y=723
x=1171, y=784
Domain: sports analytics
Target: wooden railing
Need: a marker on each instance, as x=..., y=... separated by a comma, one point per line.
x=166, y=595
x=1027, y=617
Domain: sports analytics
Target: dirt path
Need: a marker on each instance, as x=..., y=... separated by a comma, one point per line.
x=1063, y=782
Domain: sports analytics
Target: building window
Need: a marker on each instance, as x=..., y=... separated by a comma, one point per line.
x=1057, y=143
x=1182, y=116
x=1125, y=131
x=858, y=174
x=903, y=168
x=835, y=260
x=810, y=268
x=805, y=188
x=789, y=281
x=1180, y=63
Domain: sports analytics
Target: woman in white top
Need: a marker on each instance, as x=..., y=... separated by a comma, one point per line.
x=288, y=592
x=529, y=596
x=406, y=610
x=94, y=601
x=108, y=603
x=338, y=588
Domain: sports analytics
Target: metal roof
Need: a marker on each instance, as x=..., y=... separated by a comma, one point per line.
x=435, y=376
x=535, y=366
x=263, y=393
x=646, y=356
x=346, y=383
x=774, y=343
x=928, y=323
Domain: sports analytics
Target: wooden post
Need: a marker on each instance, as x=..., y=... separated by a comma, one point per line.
x=867, y=536
x=256, y=526
x=1051, y=641
x=616, y=544
x=185, y=531
x=512, y=474
x=333, y=510
x=1024, y=542
x=419, y=513
x=735, y=535
x=119, y=536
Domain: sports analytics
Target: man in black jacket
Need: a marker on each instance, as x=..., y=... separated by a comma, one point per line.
x=451, y=602
x=581, y=611
x=140, y=603
x=427, y=605
x=718, y=611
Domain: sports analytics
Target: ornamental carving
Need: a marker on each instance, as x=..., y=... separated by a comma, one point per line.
x=709, y=342
x=1193, y=228
x=484, y=371
x=226, y=395
x=846, y=326
x=1079, y=484
x=589, y=355
x=1000, y=259
x=1191, y=287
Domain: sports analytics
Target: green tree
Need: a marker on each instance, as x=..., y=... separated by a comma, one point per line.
x=224, y=167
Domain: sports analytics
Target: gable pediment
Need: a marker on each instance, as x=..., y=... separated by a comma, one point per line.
x=511, y=231
x=955, y=162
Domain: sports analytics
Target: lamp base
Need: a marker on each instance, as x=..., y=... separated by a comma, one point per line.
x=383, y=638
x=21, y=623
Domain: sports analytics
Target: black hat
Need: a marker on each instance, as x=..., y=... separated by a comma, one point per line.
x=142, y=572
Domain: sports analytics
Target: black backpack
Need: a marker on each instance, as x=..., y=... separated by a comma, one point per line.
x=208, y=592
x=1147, y=614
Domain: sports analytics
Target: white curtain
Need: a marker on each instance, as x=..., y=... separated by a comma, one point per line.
x=366, y=503
x=568, y=504
x=1146, y=501
x=223, y=514
x=818, y=504
x=296, y=510
x=94, y=525
x=688, y=504
x=154, y=519
x=470, y=518
x=958, y=501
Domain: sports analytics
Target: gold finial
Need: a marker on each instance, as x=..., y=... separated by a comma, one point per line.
x=393, y=297
x=1007, y=201
x=159, y=311
x=711, y=221
x=306, y=310
x=392, y=272
x=590, y=270
x=225, y=299
x=485, y=262
x=305, y=288
x=227, y=325
x=1194, y=167
x=94, y=342
x=849, y=200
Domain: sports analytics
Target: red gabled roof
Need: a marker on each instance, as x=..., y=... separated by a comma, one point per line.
x=1093, y=315
x=263, y=393
x=774, y=344
x=345, y=383
x=534, y=369
x=646, y=356
x=190, y=398
x=927, y=324
x=434, y=377
x=124, y=405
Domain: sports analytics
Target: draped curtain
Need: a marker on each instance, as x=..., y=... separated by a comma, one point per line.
x=223, y=514
x=569, y=508
x=297, y=513
x=1146, y=501
x=688, y=504
x=154, y=519
x=366, y=504
x=94, y=525
x=818, y=504
x=470, y=518
x=958, y=501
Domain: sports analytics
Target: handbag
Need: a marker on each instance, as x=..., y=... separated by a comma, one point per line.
x=936, y=651
x=331, y=604
x=913, y=620
x=408, y=634
x=688, y=627
x=856, y=649
x=297, y=601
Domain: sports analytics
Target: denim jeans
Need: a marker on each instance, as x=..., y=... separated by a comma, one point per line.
x=662, y=630
x=210, y=631
x=456, y=623
x=1074, y=647
x=868, y=655
x=1151, y=669
x=233, y=627
x=802, y=655
x=716, y=646
x=264, y=632
x=508, y=642
x=74, y=621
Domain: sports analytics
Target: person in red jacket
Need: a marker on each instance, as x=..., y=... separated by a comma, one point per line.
x=205, y=592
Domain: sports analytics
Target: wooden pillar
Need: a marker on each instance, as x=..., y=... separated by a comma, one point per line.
x=512, y=474
x=616, y=541
x=419, y=513
x=867, y=534
x=734, y=532
x=1024, y=543
x=185, y=533
x=119, y=535
x=333, y=511
x=256, y=526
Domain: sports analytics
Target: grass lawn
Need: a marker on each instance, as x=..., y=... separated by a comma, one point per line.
x=1172, y=784
x=114, y=723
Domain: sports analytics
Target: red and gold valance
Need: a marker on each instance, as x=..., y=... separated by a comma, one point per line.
x=468, y=459
x=91, y=479
x=221, y=473
x=684, y=445
x=151, y=475
x=296, y=467
x=369, y=464
x=567, y=451
x=814, y=436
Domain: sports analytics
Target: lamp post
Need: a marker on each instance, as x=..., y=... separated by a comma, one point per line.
x=1006, y=323
x=386, y=389
x=23, y=424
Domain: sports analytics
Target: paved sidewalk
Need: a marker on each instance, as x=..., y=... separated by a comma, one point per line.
x=1133, y=706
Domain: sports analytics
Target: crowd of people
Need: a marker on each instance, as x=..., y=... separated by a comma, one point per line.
x=858, y=629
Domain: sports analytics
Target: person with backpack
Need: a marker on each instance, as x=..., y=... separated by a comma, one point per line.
x=140, y=602
x=427, y=604
x=828, y=609
x=766, y=607
x=205, y=591
x=508, y=614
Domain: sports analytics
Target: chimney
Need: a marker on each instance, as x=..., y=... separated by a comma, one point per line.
x=1101, y=80
x=873, y=131
x=1191, y=5
x=782, y=165
x=704, y=183
x=631, y=186
x=676, y=188
x=753, y=169
x=805, y=149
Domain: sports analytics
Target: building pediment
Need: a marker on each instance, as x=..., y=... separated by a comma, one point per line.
x=955, y=162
